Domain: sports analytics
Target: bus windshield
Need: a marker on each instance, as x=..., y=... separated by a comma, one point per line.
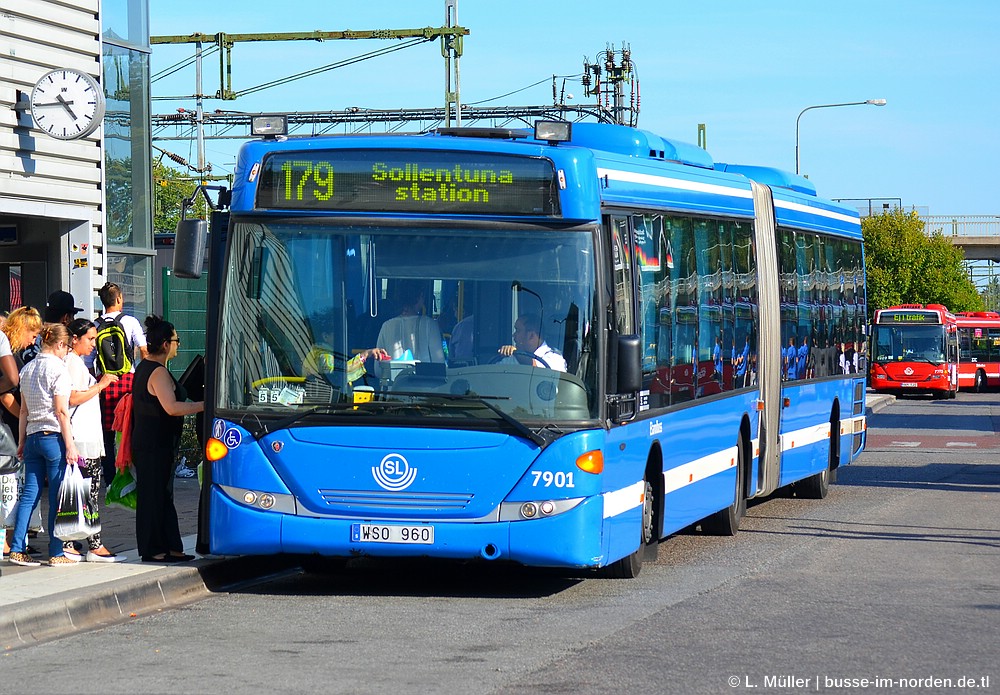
x=436, y=326
x=913, y=343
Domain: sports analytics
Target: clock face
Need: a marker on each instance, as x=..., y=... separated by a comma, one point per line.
x=67, y=104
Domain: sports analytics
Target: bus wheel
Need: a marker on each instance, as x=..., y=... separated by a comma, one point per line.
x=726, y=522
x=629, y=566
x=815, y=487
x=980, y=381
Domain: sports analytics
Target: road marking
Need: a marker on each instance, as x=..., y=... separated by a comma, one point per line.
x=908, y=444
x=961, y=444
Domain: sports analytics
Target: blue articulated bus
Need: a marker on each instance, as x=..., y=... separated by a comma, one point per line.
x=552, y=347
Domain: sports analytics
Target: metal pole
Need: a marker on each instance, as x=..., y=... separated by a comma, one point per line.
x=458, y=56
x=872, y=102
x=199, y=110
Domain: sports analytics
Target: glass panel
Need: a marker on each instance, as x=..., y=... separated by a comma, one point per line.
x=134, y=275
x=127, y=148
x=684, y=291
x=125, y=22
x=308, y=310
x=709, y=347
x=914, y=343
x=744, y=350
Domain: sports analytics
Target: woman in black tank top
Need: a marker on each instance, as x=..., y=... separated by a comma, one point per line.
x=158, y=408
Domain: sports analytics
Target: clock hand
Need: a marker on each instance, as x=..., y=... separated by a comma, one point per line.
x=55, y=103
x=66, y=105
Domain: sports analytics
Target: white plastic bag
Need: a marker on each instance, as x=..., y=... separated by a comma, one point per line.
x=8, y=499
x=71, y=518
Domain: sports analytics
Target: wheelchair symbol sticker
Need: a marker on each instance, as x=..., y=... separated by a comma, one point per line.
x=232, y=438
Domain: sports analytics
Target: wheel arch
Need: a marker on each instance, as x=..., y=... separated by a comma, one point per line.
x=747, y=442
x=834, y=462
x=654, y=476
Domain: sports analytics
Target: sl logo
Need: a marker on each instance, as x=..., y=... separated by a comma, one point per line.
x=394, y=473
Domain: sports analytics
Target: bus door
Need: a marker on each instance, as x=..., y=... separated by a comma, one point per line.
x=769, y=341
x=952, y=353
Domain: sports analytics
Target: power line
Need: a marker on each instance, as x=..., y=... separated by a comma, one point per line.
x=331, y=66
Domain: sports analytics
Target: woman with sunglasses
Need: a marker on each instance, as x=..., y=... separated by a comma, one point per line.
x=159, y=405
x=46, y=440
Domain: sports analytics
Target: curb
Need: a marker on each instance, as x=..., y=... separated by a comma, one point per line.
x=874, y=404
x=60, y=615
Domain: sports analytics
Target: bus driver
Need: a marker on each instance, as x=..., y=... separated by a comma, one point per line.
x=528, y=338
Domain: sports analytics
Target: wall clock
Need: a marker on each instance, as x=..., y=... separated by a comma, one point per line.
x=67, y=104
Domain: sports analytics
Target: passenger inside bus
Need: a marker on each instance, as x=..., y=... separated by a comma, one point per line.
x=412, y=335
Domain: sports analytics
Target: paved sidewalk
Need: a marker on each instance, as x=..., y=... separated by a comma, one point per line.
x=43, y=603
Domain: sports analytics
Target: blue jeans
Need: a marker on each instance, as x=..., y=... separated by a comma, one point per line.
x=44, y=454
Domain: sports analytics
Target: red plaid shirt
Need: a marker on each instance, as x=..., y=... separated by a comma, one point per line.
x=110, y=397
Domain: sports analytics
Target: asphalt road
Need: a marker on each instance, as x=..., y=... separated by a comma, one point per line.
x=895, y=576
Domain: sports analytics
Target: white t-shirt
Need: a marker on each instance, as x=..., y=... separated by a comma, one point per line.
x=85, y=418
x=418, y=334
x=133, y=330
x=4, y=345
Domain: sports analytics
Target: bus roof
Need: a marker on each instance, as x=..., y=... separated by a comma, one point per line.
x=604, y=165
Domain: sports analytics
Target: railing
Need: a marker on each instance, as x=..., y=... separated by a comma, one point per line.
x=963, y=225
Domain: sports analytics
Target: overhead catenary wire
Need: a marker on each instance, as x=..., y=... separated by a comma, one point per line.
x=522, y=89
x=181, y=64
x=331, y=66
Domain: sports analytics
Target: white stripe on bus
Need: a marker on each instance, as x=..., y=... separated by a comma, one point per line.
x=799, y=207
x=679, y=184
x=699, y=469
x=805, y=436
x=620, y=501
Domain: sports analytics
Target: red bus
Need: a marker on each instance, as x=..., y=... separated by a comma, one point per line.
x=979, y=349
x=915, y=350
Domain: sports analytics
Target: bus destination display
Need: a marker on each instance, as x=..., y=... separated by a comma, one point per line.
x=890, y=317
x=418, y=181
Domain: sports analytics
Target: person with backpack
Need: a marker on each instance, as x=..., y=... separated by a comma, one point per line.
x=118, y=337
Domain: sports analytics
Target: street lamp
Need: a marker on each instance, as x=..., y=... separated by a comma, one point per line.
x=871, y=102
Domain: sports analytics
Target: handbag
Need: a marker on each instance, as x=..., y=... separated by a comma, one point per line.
x=72, y=523
x=9, y=462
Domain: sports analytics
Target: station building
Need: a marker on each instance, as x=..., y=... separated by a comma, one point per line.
x=75, y=199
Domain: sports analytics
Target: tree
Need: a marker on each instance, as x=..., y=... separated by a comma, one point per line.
x=905, y=266
x=170, y=187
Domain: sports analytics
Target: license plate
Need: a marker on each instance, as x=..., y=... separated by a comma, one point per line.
x=391, y=533
x=909, y=384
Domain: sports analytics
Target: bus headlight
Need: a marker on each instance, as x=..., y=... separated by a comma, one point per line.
x=536, y=509
x=265, y=501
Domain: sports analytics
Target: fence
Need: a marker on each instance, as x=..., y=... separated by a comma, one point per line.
x=963, y=225
x=184, y=305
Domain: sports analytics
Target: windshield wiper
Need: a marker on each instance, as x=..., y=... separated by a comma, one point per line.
x=331, y=409
x=518, y=426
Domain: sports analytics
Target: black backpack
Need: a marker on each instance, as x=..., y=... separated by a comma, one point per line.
x=114, y=351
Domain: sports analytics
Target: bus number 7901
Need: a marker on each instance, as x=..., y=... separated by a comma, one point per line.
x=550, y=479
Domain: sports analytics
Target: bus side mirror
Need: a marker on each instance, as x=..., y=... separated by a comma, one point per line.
x=189, y=248
x=629, y=364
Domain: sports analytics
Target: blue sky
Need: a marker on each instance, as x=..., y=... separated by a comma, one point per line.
x=745, y=70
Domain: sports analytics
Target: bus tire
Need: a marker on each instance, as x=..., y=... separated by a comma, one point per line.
x=815, y=487
x=980, y=381
x=629, y=566
x=726, y=522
